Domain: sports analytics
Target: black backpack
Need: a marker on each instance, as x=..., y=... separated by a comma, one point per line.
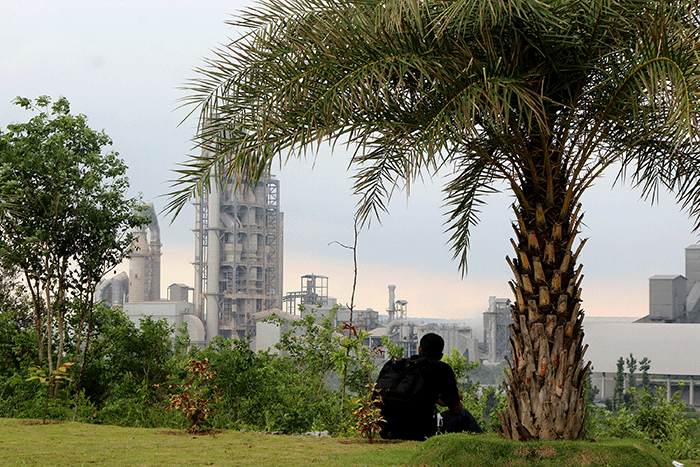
x=399, y=393
x=400, y=380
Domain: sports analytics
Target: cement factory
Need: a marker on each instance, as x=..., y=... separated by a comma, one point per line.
x=238, y=272
x=238, y=265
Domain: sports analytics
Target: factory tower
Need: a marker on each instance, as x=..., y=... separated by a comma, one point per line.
x=238, y=255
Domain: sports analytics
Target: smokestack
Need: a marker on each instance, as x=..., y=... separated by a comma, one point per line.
x=392, y=303
x=138, y=257
x=153, y=292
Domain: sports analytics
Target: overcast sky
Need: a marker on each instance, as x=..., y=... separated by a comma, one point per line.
x=122, y=64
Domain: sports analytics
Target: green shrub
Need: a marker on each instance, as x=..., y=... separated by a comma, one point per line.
x=20, y=398
x=138, y=405
x=665, y=423
x=196, y=399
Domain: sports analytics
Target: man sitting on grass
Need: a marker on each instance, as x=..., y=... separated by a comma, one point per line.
x=409, y=388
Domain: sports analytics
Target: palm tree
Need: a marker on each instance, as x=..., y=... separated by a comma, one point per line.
x=543, y=96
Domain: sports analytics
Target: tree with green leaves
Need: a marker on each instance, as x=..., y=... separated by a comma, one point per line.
x=16, y=337
x=619, y=391
x=72, y=221
x=644, y=365
x=541, y=97
x=631, y=368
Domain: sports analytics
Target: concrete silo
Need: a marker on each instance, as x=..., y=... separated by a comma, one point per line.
x=144, y=260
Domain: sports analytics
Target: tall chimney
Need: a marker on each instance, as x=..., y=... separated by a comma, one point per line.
x=392, y=303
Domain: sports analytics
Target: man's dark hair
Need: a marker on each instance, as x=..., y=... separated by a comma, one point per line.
x=432, y=345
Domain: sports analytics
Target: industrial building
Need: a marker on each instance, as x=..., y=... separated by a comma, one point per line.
x=267, y=332
x=238, y=283
x=237, y=264
x=407, y=333
x=672, y=349
x=314, y=297
x=138, y=292
x=675, y=298
x=398, y=328
x=497, y=320
x=667, y=336
x=143, y=281
x=238, y=255
x=175, y=313
x=313, y=294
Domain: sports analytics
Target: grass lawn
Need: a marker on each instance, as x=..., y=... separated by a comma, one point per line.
x=28, y=443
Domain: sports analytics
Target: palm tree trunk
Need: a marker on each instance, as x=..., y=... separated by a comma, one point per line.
x=545, y=383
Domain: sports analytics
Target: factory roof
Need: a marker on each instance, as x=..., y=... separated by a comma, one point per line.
x=673, y=348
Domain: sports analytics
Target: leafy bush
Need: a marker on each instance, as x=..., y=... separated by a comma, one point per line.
x=17, y=340
x=301, y=372
x=125, y=362
x=138, y=405
x=194, y=398
x=50, y=381
x=20, y=398
x=246, y=381
x=663, y=422
x=368, y=415
x=621, y=424
x=265, y=391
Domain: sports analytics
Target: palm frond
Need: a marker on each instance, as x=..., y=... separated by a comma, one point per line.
x=464, y=197
x=418, y=85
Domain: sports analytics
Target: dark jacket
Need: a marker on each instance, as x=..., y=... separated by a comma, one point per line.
x=415, y=420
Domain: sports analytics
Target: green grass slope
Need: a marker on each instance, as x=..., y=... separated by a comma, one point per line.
x=489, y=450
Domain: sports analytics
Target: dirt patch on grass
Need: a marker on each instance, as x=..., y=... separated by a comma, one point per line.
x=540, y=452
x=586, y=458
x=195, y=433
x=545, y=451
x=523, y=451
x=364, y=441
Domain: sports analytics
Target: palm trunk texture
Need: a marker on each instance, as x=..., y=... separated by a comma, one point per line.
x=545, y=383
